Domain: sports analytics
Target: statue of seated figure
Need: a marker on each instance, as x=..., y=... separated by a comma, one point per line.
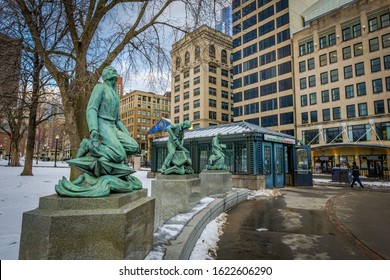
x=101, y=156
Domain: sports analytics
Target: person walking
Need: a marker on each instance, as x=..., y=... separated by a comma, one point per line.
x=355, y=175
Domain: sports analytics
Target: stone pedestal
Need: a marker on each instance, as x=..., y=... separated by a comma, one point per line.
x=116, y=227
x=174, y=194
x=215, y=182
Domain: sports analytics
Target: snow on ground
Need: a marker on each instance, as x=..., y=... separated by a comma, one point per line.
x=19, y=194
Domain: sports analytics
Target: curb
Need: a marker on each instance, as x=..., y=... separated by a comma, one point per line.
x=182, y=247
x=356, y=242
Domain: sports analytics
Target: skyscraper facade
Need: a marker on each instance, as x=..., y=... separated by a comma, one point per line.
x=263, y=83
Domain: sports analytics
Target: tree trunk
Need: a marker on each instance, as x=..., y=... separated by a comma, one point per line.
x=14, y=152
x=32, y=120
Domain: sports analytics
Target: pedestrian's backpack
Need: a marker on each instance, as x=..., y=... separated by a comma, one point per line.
x=355, y=170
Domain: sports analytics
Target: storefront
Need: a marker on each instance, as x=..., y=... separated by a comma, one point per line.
x=371, y=159
x=250, y=150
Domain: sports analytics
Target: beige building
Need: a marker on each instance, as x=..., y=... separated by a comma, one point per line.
x=140, y=111
x=201, y=78
x=263, y=61
x=342, y=84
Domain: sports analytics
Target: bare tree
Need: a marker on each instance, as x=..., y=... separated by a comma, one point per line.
x=79, y=38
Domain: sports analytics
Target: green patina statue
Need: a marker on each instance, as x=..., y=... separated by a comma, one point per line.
x=217, y=157
x=178, y=160
x=101, y=157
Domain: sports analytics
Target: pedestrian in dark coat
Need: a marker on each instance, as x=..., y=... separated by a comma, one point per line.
x=355, y=175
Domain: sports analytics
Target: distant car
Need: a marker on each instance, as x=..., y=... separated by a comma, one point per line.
x=45, y=158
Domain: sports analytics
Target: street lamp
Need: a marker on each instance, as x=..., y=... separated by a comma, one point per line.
x=55, y=155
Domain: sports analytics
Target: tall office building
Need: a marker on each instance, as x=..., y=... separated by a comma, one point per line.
x=262, y=61
x=342, y=84
x=140, y=111
x=224, y=25
x=201, y=78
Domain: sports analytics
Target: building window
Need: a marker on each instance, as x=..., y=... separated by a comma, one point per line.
x=212, y=51
x=186, y=74
x=358, y=49
x=334, y=75
x=302, y=66
x=303, y=83
x=212, y=91
x=333, y=57
x=305, y=117
x=282, y=20
x=388, y=84
x=225, y=106
x=269, y=105
x=285, y=84
x=212, y=103
x=359, y=132
x=251, y=35
x=250, y=50
x=196, y=115
x=323, y=60
x=266, y=74
x=326, y=115
x=351, y=111
x=286, y=101
x=284, y=68
x=325, y=96
x=375, y=65
x=196, y=91
x=379, y=107
x=224, y=72
x=348, y=72
x=359, y=69
x=186, y=106
x=196, y=80
x=283, y=35
x=332, y=39
x=196, y=69
x=310, y=136
x=176, y=120
x=177, y=109
x=266, y=28
x=177, y=63
x=212, y=69
x=268, y=89
x=225, y=94
x=336, y=113
x=347, y=53
x=252, y=78
x=177, y=78
x=386, y=40
x=333, y=135
x=323, y=42
x=177, y=88
x=186, y=84
x=269, y=121
x=252, y=108
x=362, y=108
x=212, y=115
x=313, y=98
x=250, y=64
x=224, y=56
x=177, y=98
x=310, y=64
x=377, y=86
x=284, y=52
x=361, y=89
x=378, y=21
x=374, y=44
x=312, y=81
x=267, y=58
x=386, y=62
x=349, y=93
x=303, y=100
x=324, y=78
x=313, y=116
x=225, y=117
x=225, y=83
x=187, y=58
x=383, y=130
x=287, y=118
x=267, y=43
x=212, y=80
x=196, y=103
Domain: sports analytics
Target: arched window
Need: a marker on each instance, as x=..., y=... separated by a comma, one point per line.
x=224, y=56
x=177, y=63
x=187, y=58
x=197, y=53
x=212, y=51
